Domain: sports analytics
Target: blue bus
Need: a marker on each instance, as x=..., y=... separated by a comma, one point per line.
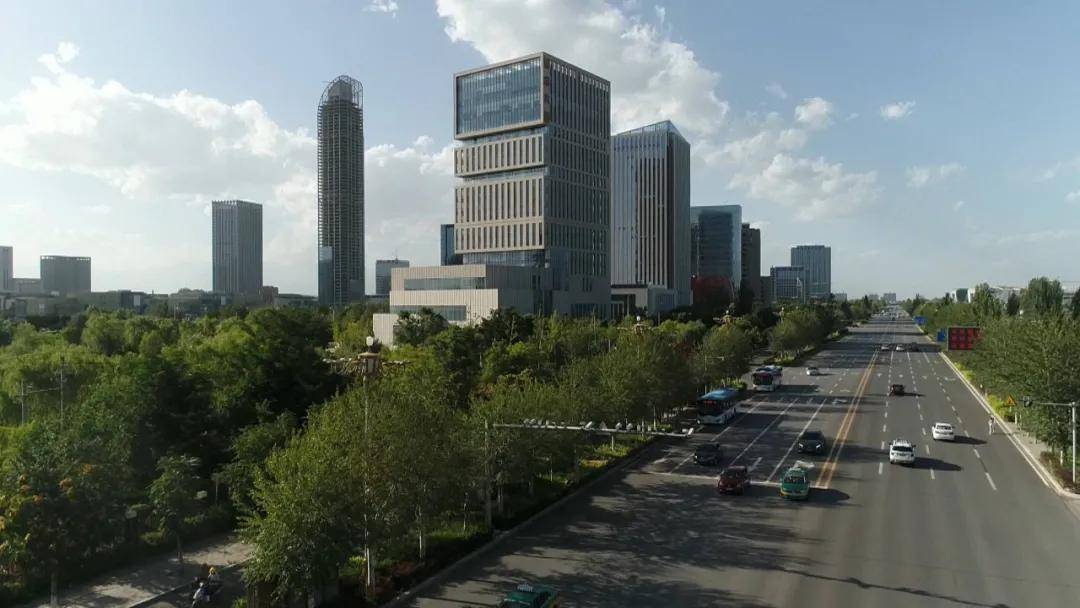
x=717, y=407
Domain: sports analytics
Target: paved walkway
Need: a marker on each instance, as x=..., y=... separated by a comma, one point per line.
x=1029, y=447
x=142, y=584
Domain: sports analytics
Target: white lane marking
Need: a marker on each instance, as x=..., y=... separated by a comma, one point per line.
x=730, y=425
x=880, y=467
x=886, y=414
x=918, y=404
x=923, y=430
x=977, y=453
x=953, y=407
x=948, y=398
x=921, y=417
x=932, y=474
x=991, y=480
x=927, y=446
x=960, y=420
x=756, y=463
x=796, y=440
x=883, y=445
x=883, y=427
x=763, y=431
x=687, y=475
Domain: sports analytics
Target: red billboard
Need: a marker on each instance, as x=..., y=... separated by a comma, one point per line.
x=964, y=338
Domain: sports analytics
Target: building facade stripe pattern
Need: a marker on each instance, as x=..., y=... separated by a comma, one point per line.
x=650, y=212
x=816, y=261
x=534, y=173
x=341, y=192
x=237, y=247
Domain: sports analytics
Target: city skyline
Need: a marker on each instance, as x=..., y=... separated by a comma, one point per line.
x=765, y=133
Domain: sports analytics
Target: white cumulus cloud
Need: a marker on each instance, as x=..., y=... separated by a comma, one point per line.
x=775, y=89
x=898, y=110
x=812, y=188
x=918, y=177
x=1073, y=196
x=382, y=6
x=958, y=205
x=185, y=149
x=815, y=113
x=652, y=77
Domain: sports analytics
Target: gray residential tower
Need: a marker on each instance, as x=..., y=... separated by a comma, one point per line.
x=65, y=275
x=237, y=247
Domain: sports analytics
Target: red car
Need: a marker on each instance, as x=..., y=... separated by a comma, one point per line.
x=733, y=480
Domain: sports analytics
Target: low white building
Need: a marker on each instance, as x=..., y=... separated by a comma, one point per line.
x=653, y=299
x=462, y=295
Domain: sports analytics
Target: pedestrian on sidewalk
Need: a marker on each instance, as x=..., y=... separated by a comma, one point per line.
x=990, y=423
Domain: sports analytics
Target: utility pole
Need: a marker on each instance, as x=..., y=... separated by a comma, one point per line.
x=61, y=391
x=22, y=399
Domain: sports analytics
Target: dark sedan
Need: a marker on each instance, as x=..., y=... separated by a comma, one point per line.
x=709, y=454
x=812, y=442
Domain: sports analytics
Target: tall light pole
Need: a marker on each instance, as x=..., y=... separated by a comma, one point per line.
x=1028, y=402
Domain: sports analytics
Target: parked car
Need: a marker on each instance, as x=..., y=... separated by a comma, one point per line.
x=795, y=484
x=709, y=454
x=896, y=389
x=733, y=480
x=812, y=371
x=812, y=442
x=885, y=347
x=531, y=596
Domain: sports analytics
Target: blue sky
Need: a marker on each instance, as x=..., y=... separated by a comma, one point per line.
x=932, y=145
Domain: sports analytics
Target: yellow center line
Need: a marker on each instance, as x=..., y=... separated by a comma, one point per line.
x=829, y=468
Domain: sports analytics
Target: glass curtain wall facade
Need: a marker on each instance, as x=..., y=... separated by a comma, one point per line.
x=816, y=261
x=7, y=268
x=447, y=255
x=383, y=269
x=341, y=192
x=237, y=247
x=788, y=283
x=650, y=209
x=65, y=275
x=716, y=243
x=535, y=176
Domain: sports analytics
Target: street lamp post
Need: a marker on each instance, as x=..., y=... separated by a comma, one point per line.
x=1028, y=402
x=368, y=367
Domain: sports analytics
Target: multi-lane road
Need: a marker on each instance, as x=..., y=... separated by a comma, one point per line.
x=969, y=524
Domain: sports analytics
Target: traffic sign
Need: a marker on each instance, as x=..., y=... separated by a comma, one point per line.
x=964, y=338
x=941, y=335
x=920, y=320
x=1009, y=401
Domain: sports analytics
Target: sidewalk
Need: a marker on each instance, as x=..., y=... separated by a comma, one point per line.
x=1025, y=443
x=149, y=580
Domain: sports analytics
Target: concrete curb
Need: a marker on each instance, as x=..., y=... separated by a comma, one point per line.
x=499, y=537
x=178, y=588
x=1046, y=476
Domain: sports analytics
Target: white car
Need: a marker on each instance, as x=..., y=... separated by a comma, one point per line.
x=901, y=452
x=811, y=371
x=899, y=349
x=943, y=431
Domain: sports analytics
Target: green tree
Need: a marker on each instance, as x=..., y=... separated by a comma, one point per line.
x=174, y=496
x=506, y=325
x=1074, y=305
x=984, y=304
x=250, y=450
x=1042, y=297
x=104, y=333
x=725, y=354
x=1012, y=305
x=416, y=328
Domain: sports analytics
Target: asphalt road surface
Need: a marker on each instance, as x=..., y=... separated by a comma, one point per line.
x=969, y=524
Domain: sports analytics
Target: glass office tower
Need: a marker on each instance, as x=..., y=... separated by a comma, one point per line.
x=535, y=176
x=716, y=243
x=816, y=261
x=650, y=209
